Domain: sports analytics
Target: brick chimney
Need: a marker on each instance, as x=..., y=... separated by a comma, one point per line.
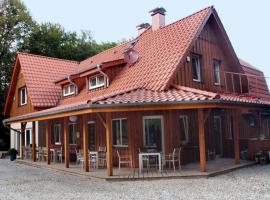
x=158, y=18
x=142, y=27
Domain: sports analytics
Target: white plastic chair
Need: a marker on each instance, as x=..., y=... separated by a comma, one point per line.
x=127, y=159
x=102, y=156
x=79, y=158
x=174, y=157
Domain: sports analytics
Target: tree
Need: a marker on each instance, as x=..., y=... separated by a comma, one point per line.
x=50, y=39
x=15, y=26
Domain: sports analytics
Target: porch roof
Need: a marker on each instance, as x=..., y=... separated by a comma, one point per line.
x=177, y=97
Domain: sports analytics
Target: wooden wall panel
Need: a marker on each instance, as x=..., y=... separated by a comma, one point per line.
x=16, y=108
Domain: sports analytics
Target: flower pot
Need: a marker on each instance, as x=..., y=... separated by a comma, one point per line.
x=13, y=157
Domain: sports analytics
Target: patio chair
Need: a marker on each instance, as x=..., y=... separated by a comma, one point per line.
x=39, y=153
x=93, y=159
x=173, y=157
x=79, y=158
x=145, y=159
x=127, y=159
x=60, y=155
x=102, y=156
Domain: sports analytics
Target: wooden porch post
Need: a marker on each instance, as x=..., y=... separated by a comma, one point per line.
x=48, y=141
x=66, y=142
x=109, y=145
x=34, y=141
x=85, y=144
x=23, y=126
x=202, y=140
x=236, y=130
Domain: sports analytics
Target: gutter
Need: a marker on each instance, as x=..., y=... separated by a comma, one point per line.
x=95, y=106
x=8, y=127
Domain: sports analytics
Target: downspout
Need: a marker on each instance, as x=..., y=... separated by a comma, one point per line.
x=104, y=74
x=73, y=83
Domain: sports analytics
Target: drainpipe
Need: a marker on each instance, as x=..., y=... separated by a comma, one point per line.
x=104, y=74
x=71, y=82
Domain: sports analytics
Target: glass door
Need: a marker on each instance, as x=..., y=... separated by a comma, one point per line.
x=91, y=136
x=153, y=133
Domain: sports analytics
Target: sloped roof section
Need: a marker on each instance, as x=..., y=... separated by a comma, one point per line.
x=39, y=73
x=257, y=81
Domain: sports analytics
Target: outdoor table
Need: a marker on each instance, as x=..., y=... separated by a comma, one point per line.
x=141, y=154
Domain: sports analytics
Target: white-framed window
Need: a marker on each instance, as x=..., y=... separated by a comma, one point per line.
x=184, y=128
x=153, y=132
x=28, y=137
x=72, y=133
x=57, y=134
x=120, y=132
x=196, y=67
x=23, y=96
x=216, y=66
x=68, y=90
x=96, y=82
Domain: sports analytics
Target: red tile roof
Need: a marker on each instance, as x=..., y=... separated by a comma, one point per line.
x=39, y=73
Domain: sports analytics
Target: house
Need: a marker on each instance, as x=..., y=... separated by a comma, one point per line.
x=174, y=85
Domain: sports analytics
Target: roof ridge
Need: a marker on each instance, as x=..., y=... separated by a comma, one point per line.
x=188, y=16
x=119, y=45
x=47, y=57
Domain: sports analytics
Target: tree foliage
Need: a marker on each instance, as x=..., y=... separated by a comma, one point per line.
x=52, y=40
x=15, y=26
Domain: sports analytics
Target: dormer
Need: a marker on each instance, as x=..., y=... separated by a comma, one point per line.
x=92, y=78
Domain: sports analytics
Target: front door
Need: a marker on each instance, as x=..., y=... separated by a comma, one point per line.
x=91, y=136
x=153, y=133
x=218, y=135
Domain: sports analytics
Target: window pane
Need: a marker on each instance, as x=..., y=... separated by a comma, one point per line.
x=23, y=96
x=93, y=82
x=71, y=87
x=116, y=132
x=72, y=134
x=66, y=90
x=182, y=129
x=100, y=80
x=91, y=133
x=124, y=132
x=216, y=72
x=57, y=134
x=28, y=142
x=153, y=133
x=196, y=68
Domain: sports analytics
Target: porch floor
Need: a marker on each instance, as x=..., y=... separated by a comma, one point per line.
x=214, y=167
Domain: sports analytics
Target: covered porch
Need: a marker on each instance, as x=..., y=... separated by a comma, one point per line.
x=162, y=129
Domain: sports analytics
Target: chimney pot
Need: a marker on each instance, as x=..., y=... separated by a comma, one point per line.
x=142, y=27
x=158, y=18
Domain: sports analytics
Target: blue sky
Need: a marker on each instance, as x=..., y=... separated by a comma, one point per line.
x=246, y=22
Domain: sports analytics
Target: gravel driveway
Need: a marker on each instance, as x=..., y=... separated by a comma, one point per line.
x=24, y=182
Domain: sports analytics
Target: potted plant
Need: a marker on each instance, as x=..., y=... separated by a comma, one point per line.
x=13, y=154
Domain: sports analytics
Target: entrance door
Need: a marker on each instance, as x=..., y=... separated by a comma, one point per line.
x=153, y=132
x=218, y=135
x=91, y=136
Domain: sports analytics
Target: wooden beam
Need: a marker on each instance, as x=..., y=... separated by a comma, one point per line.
x=66, y=142
x=48, y=141
x=34, y=141
x=133, y=108
x=236, y=130
x=109, y=153
x=202, y=140
x=101, y=119
x=23, y=126
x=85, y=143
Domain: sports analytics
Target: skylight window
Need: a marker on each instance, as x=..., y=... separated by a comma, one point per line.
x=96, y=82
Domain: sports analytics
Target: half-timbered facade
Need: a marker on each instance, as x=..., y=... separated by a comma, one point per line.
x=175, y=85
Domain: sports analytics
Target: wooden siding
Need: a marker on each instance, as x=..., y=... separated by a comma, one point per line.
x=210, y=46
x=16, y=109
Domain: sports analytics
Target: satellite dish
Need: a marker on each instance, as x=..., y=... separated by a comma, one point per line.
x=131, y=56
